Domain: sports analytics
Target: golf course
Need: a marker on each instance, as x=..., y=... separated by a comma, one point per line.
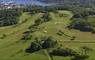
x=12, y=47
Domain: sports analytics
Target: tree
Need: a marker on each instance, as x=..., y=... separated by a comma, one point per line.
x=80, y=57
x=81, y=24
x=63, y=52
x=73, y=38
x=85, y=50
x=26, y=35
x=49, y=43
x=33, y=47
x=46, y=17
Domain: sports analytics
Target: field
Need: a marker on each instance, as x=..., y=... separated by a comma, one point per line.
x=12, y=48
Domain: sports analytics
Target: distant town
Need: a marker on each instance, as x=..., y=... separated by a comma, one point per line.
x=10, y=4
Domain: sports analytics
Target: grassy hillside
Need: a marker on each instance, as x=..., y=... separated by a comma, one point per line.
x=13, y=48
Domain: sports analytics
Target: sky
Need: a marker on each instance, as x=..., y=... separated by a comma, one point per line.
x=35, y=2
x=20, y=1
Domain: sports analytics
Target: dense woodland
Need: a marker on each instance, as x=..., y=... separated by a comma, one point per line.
x=9, y=16
x=83, y=3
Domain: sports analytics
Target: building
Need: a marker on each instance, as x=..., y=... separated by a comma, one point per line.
x=10, y=5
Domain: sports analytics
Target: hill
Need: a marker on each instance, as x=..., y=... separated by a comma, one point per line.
x=12, y=46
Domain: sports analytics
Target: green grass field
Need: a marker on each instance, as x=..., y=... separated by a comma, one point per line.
x=12, y=49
